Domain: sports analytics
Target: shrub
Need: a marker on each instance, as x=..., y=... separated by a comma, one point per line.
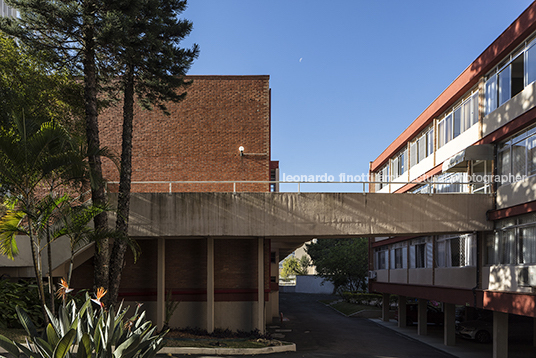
x=22, y=294
x=368, y=299
x=84, y=332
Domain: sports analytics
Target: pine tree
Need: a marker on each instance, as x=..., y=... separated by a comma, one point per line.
x=152, y=67
x=126, y=45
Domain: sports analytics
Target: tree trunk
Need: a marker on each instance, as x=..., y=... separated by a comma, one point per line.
x=50, y=285
x=123, y=200
x=38, y=273
x=98, y=194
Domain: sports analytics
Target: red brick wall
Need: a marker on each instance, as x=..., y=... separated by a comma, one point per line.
x=200, y=138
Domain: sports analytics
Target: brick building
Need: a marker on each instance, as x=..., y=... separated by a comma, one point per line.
x=199, y=141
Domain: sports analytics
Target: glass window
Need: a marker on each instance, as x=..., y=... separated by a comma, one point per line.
x=448, y=128
x=430, y=142
x=474, y=109
x=519, y=154
x=518, y=75
x=531, y=65
x=504, y=78
x=527, y=245
x=491, y=94
x=413, y=154
x=531, y=155
x=457, y=122
x=420, y=255
x=441, y=134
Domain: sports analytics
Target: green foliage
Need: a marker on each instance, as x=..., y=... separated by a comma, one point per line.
x=95, y=333
x=13, y=294
x=343, y=262
x=369, y=299
x=27, y=85
x=292, y=266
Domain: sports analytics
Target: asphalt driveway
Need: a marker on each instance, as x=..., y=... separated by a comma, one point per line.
x=319, y=331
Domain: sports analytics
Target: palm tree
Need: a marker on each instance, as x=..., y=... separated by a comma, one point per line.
x=30, y=155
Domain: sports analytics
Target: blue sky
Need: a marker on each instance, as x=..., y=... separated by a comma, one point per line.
x=347, y=76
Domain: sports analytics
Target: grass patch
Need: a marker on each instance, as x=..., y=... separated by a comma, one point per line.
x=347, y=308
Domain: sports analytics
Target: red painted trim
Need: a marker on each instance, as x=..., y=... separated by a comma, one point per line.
x=512, y=211
x=274, y=164
x=504, y=44
x=510, y=302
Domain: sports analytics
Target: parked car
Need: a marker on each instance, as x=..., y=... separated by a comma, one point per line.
x=434, y=315
x=481, y=329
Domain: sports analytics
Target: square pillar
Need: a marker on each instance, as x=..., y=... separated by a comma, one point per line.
x=385, y=307
x=449, y=326
x=422, y=319
x=500, y=335
x=534, y=332
x=161, y=284
x=260, y=285
x=402, y=311
x=210, y=285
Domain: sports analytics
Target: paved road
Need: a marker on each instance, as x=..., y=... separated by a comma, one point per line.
x=319, y=331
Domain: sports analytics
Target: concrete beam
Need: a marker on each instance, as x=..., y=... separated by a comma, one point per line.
x=307, y=215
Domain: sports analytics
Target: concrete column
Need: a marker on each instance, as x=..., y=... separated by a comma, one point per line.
x=449, y=326
x=161, y=284
x=534, y=332
x=422, y=321
x=385, y=307
x=260, y=285
x=210, y=285
x=500, y=335
x=402, y=311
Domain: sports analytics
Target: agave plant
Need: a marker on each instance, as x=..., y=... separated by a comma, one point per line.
x=85, y=332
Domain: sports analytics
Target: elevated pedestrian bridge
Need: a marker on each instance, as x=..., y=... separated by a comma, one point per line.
x=298, y=217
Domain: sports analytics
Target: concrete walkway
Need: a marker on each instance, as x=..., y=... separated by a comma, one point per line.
x=464, y=348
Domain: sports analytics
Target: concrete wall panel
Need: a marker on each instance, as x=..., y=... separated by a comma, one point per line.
x=305, y=214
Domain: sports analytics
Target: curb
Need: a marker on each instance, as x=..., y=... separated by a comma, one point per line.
x=228, y=351
x=221, y=351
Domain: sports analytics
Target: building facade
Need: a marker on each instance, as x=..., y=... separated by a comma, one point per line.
x=478, y=136
x=197, y=148
x=216, y=140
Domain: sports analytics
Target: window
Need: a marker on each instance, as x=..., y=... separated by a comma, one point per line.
x=456, y=251
x=513, y=242
x=420, y=252
x=382, y=177
x=399, y=164
x=399, y=255
x=517, y=71
x=422, y=146
x=380, y=255
x=461, y=118
x=516, y=158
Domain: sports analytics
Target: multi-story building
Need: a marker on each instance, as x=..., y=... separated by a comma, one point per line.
x=478, y=136
x=215, y=140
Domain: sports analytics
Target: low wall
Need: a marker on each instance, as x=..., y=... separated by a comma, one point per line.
x=313, y=284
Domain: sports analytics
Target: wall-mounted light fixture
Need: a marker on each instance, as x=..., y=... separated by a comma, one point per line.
x=241, y=150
